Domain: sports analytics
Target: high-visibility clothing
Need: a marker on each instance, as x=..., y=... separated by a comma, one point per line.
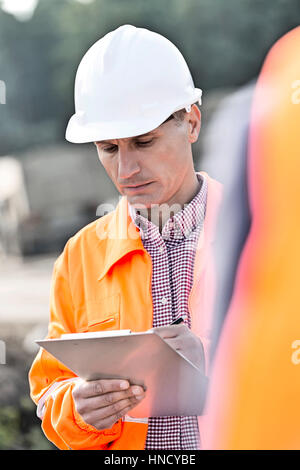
x=102, y=281
x=257, y=365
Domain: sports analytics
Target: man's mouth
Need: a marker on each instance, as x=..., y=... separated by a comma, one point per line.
x=136, y=187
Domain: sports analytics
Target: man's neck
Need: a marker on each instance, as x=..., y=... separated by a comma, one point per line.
x=158, y=214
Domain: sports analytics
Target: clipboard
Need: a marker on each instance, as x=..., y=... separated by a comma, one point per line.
x=174, y=385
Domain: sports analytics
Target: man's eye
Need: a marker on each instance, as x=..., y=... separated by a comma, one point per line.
x=144, y=143
x=110, y=149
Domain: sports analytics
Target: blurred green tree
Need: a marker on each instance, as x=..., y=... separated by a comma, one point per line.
x=224, y=44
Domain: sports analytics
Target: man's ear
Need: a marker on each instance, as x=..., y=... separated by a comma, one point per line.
x=194, y=122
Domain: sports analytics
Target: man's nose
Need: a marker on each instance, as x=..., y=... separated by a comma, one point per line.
x=128, y=164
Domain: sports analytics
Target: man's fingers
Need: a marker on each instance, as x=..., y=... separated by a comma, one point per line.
x=117, y=407
x=105, y=417
x=108, y=399
x=101, y=409
x=95, y=388
x=108, y=422
x=113, y=397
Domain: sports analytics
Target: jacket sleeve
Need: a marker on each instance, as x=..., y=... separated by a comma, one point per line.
x=51, y=382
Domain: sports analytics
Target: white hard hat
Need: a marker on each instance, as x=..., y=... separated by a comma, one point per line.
x=127, y=84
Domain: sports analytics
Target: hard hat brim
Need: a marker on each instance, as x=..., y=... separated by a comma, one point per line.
x=79, y=133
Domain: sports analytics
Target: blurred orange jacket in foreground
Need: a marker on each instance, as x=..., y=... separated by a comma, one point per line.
x=255, y=387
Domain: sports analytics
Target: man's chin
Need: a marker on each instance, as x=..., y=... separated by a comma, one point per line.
x=141, y=197
x=139, y=204
x=141, y=201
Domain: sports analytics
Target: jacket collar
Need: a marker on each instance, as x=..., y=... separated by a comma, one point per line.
x=208, y=234
x=120, y=235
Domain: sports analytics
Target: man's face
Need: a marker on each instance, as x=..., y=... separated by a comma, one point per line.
x=153, y=168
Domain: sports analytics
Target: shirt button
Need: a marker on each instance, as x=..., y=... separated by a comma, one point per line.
x=161, y=249
x=163, y=301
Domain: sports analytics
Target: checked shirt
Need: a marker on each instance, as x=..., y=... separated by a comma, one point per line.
x=172, y=252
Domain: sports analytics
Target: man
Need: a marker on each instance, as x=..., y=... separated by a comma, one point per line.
x=138, y=267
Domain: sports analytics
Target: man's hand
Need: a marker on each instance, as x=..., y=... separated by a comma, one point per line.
x=181, y=338
x=102, y=403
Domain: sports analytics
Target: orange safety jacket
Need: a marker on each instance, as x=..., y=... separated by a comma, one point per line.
x=102, y=281
x=257, y=363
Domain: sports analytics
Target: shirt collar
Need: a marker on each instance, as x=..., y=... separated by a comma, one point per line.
x=181, y=224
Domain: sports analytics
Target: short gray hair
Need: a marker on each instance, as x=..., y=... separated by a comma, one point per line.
x=179, y=115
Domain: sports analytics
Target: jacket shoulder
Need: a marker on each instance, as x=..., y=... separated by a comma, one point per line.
x=88, y=237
